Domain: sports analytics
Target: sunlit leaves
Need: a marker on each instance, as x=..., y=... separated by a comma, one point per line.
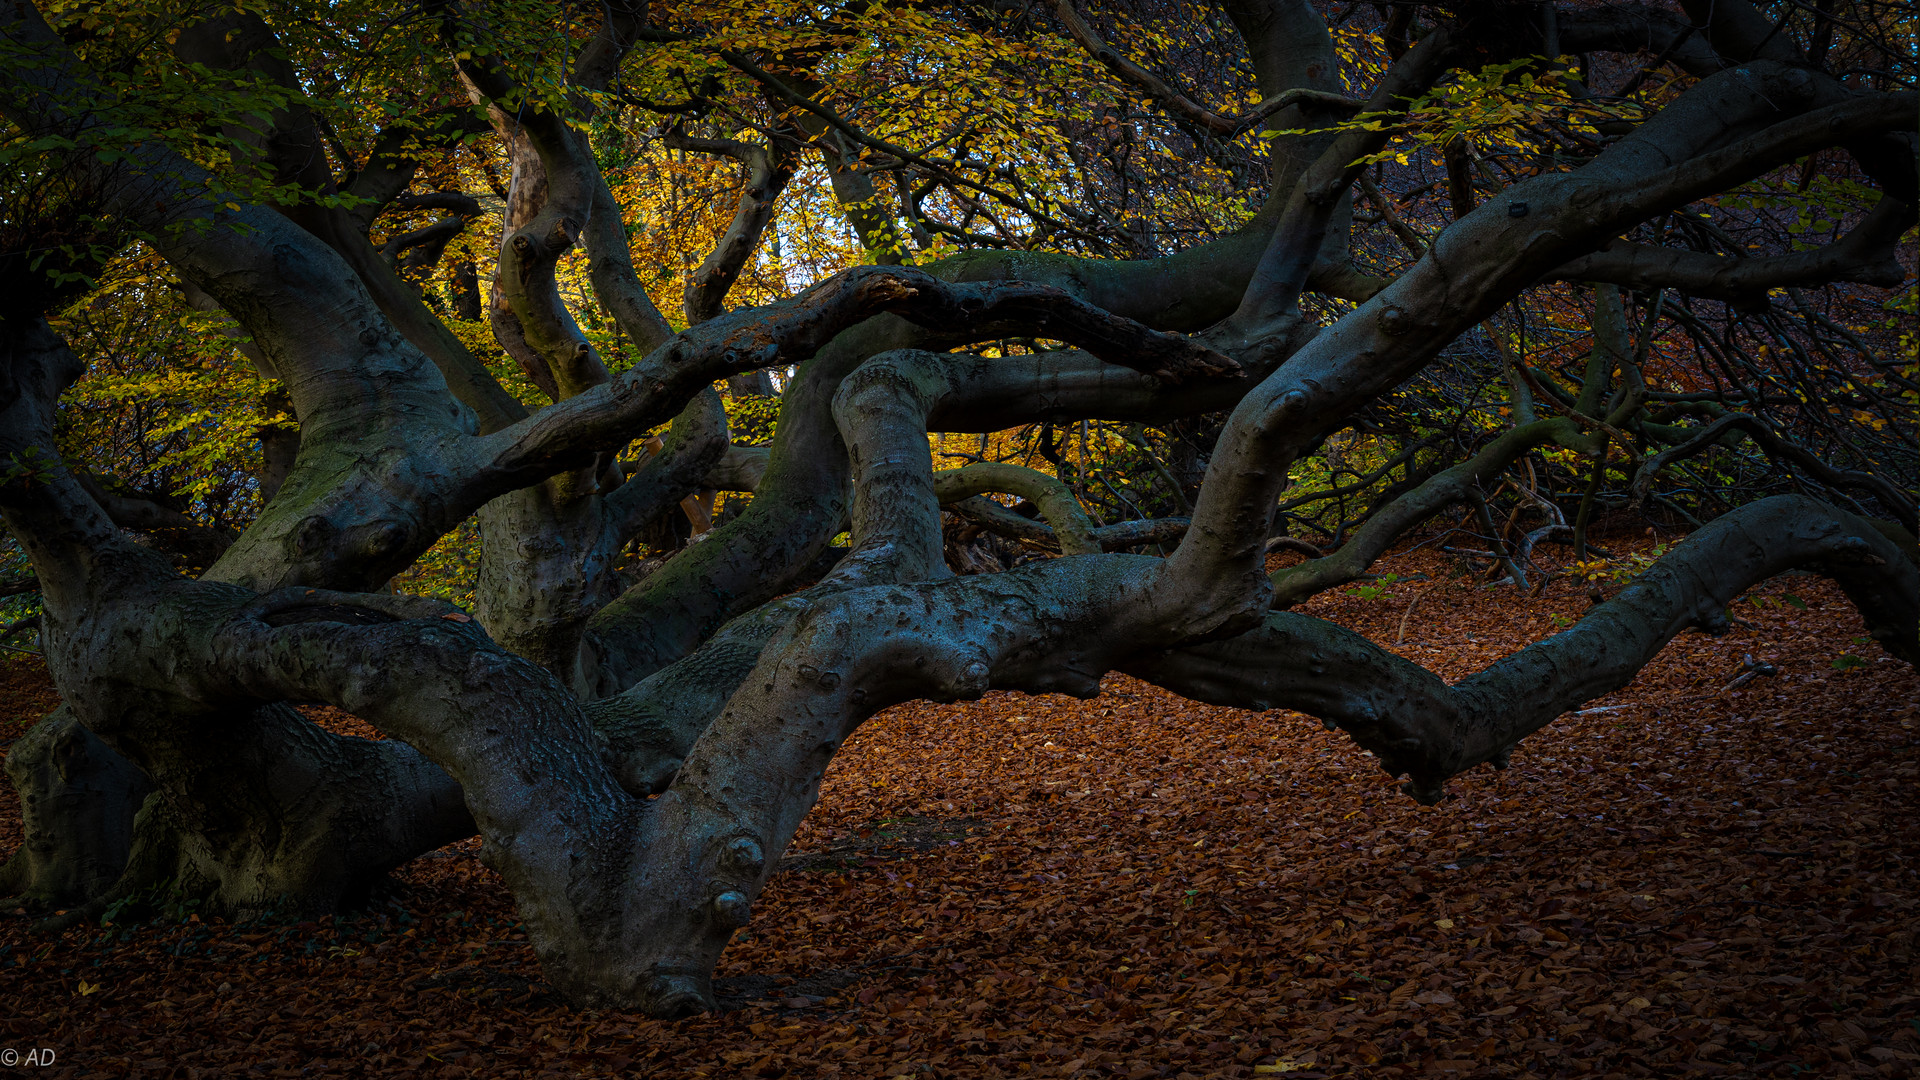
x=1517, y=105
x=168, y=405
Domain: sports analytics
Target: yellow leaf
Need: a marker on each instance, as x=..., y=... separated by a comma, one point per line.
x=1444, y=924
x=1277, y=1068
x=88, y=988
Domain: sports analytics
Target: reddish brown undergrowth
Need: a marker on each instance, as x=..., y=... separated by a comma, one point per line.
x=1679, y=880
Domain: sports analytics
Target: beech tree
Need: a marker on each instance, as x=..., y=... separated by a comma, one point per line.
x=1139, y=217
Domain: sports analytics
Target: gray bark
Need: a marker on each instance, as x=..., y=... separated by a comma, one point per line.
x=252, y=805
x=77, y=802
x=723, y=706
x=1418, y=726
x=549, y=552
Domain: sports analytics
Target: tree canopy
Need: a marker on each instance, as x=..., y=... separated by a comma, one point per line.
x=617, y=404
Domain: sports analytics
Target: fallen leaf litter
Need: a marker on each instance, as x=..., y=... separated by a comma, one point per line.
x=1681, y=879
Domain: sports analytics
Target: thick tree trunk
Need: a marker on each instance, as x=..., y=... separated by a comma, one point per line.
x=77, y=804
x=549, y=552
x=252, y=805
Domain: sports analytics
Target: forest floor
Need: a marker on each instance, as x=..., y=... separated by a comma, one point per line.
x=1680, y=879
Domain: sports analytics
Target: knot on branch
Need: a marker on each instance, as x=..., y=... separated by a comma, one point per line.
x=890, y=285
x=731, y=909
x=1853, y=551
x=744, y=856
x=963, y=682
x=1282, y=407
x=1395, y=321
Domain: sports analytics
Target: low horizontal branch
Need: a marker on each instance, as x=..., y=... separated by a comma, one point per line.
x=1867, y=255
x=1420, y=727
x=791, y=331
x=1119, y=536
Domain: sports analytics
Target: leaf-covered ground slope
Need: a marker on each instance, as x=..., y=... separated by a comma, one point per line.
x=1681, y=880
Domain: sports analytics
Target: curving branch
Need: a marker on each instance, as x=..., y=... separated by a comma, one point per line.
x=356, y=505
x=1638, y=28
x=1055, y=626
x=424, y=246
x=281, y=820
x=1072, y=529
x=866, y=209
x=1896, y=501
x=1740, y=34
x=1461, y=483
x=582, y=207
x=292, y=147
x=790, y=331
x=1470, y=269
x=768, y=169
x=882, y=410
x=694, y=447
x=380, y=184
x=1119, y=536
x=630, y=902
x=1418, y=726
x=801, y=503
x=549, y=200
x=176, y=532
x=894, y=526
x=1180, y=104
x=1866, y=254
x=556, y=826
x=1320, y=196
x=744, y=786
x=802, y=492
